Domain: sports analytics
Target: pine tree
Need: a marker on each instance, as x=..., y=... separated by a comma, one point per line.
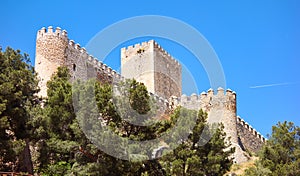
x=191, y=159
x=63, y=148
x=57, y=140
x=18, y=85
x=97, y=106
x=130, y=101
x=281, y=154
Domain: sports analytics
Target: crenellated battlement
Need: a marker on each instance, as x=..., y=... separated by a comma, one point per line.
x=162, y=103
x=133, y=48
x=139, y=48
x=248, y=127
x=77, y=47
x=166, y=55
x=196, y=100
x=99, y=66
x=204, y=96
x=43, y=32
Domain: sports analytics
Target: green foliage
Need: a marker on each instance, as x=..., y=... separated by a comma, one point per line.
x=191, y=159
x=58, y=108
x=61, y=147
x=65, y=141
x=129, y=92
x=18, y=85
x=139, y=98
x=55, y=130
x=59, y=168
x=257, y=170
x=281, y=153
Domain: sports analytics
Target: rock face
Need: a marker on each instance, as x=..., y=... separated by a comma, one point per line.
x=158, y=70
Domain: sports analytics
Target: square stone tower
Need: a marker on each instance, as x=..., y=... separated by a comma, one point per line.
x=150, y=64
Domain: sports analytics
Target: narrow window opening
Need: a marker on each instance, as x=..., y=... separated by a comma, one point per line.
x=74, y=67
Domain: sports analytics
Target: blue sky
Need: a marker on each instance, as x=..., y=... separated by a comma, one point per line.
x=257, y=42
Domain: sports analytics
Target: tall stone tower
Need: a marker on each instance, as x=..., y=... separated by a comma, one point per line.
x=50, y=54
x=150, y=64
x=223, y=106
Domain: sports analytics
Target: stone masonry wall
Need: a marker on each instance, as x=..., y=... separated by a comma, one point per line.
x=167, y=73
x=250, y=139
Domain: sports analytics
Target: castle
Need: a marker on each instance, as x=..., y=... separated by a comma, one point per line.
x=149, y=63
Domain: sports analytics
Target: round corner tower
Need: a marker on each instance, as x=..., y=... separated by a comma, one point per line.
x=223, y=105
x=50, y=54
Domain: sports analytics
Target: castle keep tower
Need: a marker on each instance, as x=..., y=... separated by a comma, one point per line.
x=152, y=65
x=50, y=54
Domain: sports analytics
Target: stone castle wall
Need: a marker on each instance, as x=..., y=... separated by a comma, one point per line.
x=162, y=78
x=250, y=139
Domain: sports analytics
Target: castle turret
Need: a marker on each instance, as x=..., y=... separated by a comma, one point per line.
x=221, y=107
x=50, y=54
x=150, y=64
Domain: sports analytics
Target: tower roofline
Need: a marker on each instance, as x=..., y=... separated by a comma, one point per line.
x=133, y=48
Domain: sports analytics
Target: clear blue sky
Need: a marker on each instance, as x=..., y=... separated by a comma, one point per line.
x=258, y=43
